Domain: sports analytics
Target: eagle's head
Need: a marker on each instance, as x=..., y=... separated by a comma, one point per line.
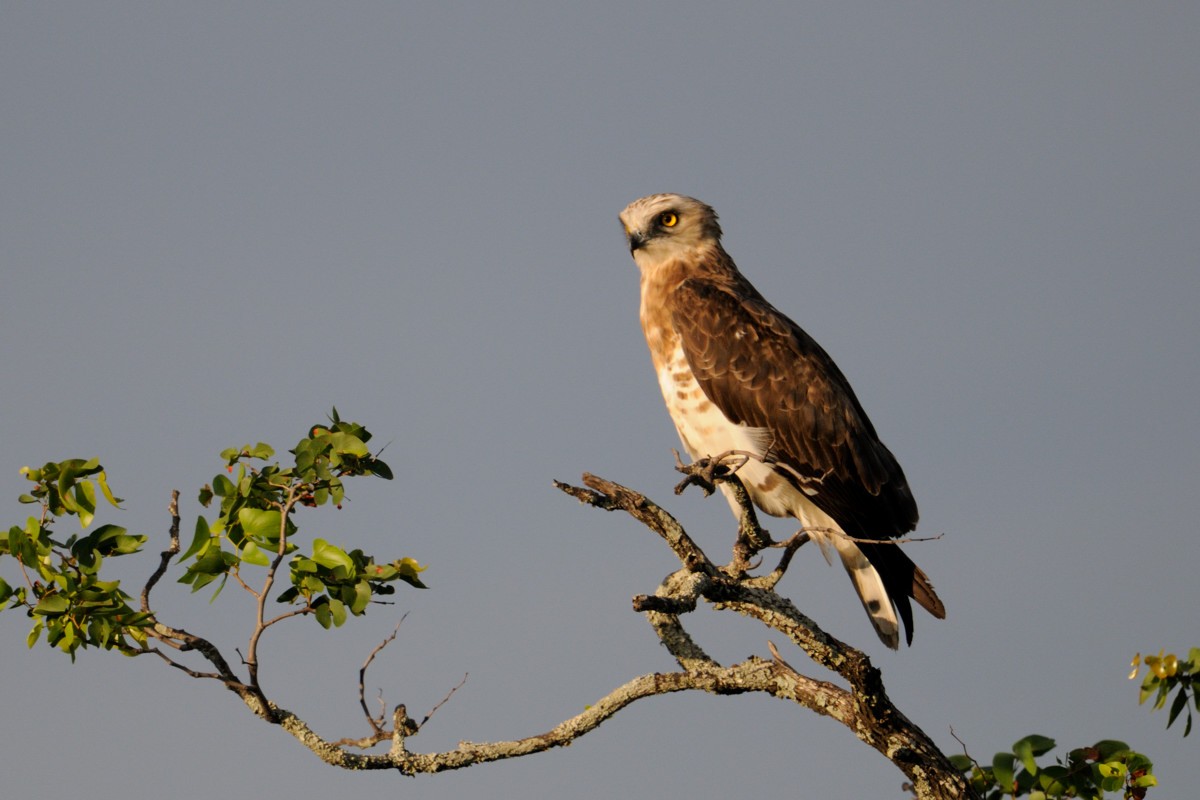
x=665, y=227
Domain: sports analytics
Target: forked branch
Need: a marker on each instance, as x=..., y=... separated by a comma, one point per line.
x=862, y=705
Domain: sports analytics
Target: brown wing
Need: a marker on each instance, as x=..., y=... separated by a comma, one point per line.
x=762, y=370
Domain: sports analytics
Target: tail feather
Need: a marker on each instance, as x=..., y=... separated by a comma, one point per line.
x=873, y=592
x=904, y=580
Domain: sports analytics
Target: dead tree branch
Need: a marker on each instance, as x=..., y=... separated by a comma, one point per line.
x=862, y=705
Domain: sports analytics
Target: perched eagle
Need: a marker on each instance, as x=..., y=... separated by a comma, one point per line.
x=739, y=375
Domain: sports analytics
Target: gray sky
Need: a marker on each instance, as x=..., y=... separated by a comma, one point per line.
x=218, y=220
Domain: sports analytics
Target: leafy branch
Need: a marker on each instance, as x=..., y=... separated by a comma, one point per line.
x=1166, y=674
x=251, y=537
x=1085, y=772
x=61, y=587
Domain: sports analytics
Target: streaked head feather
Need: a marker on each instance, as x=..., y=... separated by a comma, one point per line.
x=663, y=227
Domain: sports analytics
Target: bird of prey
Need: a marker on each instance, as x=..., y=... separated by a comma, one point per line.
x=737, y=374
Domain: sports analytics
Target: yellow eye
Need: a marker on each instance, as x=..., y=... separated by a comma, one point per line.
x=668, y=220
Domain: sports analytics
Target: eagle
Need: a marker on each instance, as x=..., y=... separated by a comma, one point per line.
x=737, y=374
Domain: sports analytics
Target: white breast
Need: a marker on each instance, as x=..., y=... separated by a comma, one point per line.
x=705, y=431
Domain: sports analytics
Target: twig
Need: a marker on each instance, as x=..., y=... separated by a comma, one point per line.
x=182, y=667
x=362, y=676
x=237, y=577
x=168, y=554
x=790, y=547
x=778, y=658
x=861, y=540
x=707, y=472
x=964, y=746
x=610, y=496
x=295, y=612
x=442, y=702
x=251, y=658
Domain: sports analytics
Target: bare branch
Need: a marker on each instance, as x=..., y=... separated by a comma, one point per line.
x=707, y=472
x=790, y=547
x=443, y=701
x=751, y=675
x=376, y=726
x=168, y=554
x=236, y=573
x=182, y=667
x=904, y=540
x=295, y=612
x=862, y=705
x=610, y=496
x=260, y=627
x=682, y=587
x=864, y=708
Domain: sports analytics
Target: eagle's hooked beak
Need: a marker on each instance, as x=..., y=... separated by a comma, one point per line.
x=636, y=240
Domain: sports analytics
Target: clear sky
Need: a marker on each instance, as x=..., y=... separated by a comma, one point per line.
x=217, y=220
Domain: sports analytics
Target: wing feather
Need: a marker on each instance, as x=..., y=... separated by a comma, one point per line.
x=764, y=371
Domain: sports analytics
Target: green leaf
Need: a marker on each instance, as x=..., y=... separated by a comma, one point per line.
x=114, y=539
x=1040, y=745
x=1149, y=684
x=1107, y=748
x=262, y=451
x=362, y=596
x=346, y=444
x=59, y=498
x=338, y=609
x=1053, y=779
x=323, y=614
x=259, y=524
x=1033, y=745
x=1180, y=704
x=200, y=539
x=1002, y=767
x=331, y=556
x=32, y=638
x=102, y=479
x=207, y=567
x=222, y=486
x=85, y=499
x=52, y=605
x=300, y=564
x=67, y=642
x=311, y=585
x=220, y=588
x=408, y=569
x=252, y=554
